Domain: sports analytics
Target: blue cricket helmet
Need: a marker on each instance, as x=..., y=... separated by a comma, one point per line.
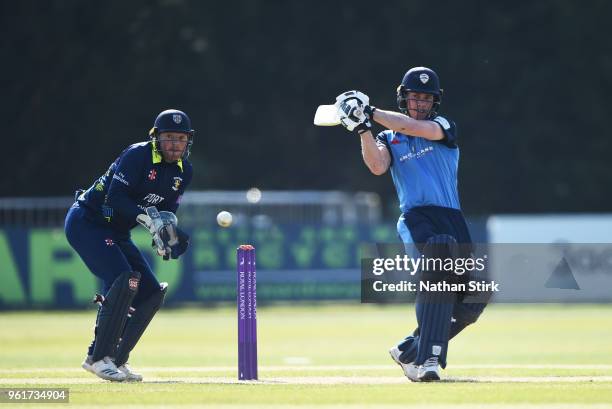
x=172, y=120
x=420, y=79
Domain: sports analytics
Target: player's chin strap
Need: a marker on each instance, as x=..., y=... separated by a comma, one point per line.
x=154, y=142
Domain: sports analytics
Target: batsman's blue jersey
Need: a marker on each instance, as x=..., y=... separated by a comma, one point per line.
x=425, y=176
x=138, y=178
x=424, y=172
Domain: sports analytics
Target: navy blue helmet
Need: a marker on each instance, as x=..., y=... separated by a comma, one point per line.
x=420, y=79
x=172, y=120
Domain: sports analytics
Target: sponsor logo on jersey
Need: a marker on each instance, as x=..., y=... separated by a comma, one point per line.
x=176, y=184
x=107, y=211
x=153, y=199
x=121, y=178
x=152, y=174
x=417, y=155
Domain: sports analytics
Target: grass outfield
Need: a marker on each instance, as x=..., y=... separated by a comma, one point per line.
x=543, y=356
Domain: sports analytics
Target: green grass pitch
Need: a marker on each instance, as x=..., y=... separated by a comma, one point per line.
x=333, y=355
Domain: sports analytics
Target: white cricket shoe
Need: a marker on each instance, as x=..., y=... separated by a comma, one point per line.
x=88, y=364
x=430, y=370
x=129, y=375
x=410, y=369
x=105, y=368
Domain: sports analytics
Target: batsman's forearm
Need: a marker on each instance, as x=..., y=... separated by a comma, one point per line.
x=374, y=159
x=399, y=122
x=395, y=121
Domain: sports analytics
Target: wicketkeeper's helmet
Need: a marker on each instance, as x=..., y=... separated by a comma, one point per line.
x=172, y=120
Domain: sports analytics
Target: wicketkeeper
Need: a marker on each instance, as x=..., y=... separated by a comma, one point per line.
x=143, y=186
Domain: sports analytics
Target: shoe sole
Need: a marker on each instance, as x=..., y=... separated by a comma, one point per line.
x=129, y=377
x=108, y=378
x=89, y=368
x=429, y=376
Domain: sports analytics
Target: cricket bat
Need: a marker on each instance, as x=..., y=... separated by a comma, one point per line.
x=326, y=115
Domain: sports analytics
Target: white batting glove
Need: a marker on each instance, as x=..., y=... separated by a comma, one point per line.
x=351, y=113
x=363, y=98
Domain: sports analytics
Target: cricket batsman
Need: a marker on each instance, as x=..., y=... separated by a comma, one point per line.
x=144, y=185
x=420, y=148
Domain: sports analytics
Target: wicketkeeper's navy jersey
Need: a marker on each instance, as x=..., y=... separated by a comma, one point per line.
x=138, y=178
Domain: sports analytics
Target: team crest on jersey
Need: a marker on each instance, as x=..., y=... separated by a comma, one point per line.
x=152, y=174
x=177, y=183
x=133, y=283
x=109, y=242
x=177, y=118
x=424, y=78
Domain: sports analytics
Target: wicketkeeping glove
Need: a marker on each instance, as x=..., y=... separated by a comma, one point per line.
x=175, y=240
x=168, y=240
x=152, y=221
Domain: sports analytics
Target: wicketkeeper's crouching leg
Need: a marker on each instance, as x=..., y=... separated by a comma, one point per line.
x=110, y=323
x=135, y=327
x=136, y=322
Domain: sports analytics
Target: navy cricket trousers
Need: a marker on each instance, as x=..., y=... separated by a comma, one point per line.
x=107, y=253
x=437, y=322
